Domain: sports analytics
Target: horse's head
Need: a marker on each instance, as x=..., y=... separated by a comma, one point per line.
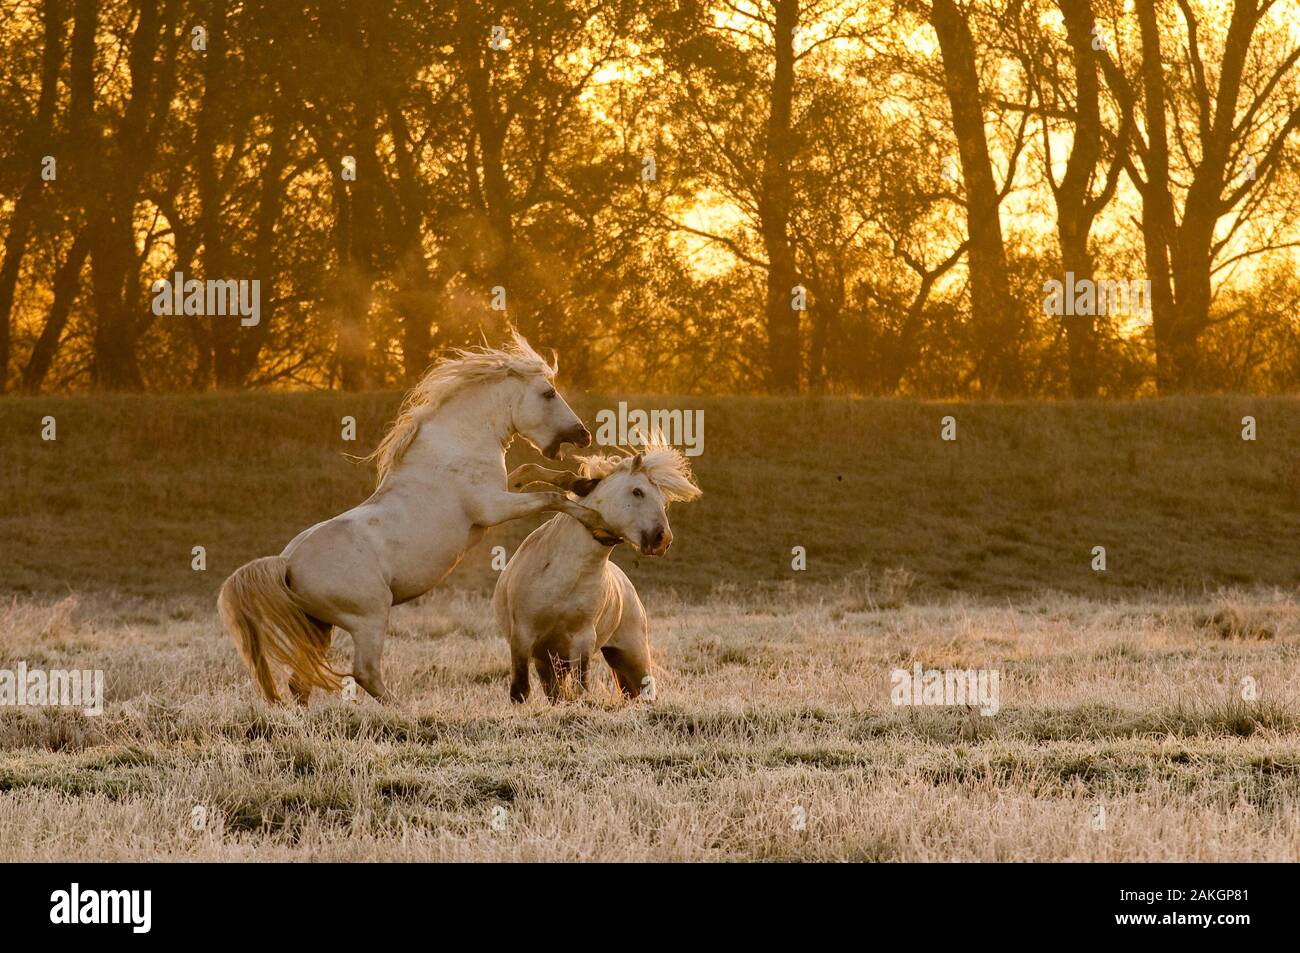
x=632, y=494
x=540, y=415
x=514, y=388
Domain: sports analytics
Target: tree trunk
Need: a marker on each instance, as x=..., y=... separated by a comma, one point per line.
x=414, y=301
x=349, y=300
x=208, y=139
x=774, y=207
x=1157, y=208
x=900, y=352
x=67, y=283
x=84, y=149
x=489, y=131
x=112, y=227
x=1192, y=249
x=40, y=139
x=823, y=314
x=993, y=312
x=1074, y=206
x=1080, y=329
x=825, y=318
x=112, y=256
x=269, y=203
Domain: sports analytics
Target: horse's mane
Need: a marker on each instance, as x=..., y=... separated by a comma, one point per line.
x=461, y=368
x=664, y=465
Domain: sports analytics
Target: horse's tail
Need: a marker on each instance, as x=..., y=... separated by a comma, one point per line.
x=268, y=624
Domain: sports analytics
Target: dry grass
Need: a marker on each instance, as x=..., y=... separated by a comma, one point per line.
x=768, y=702
x=1120, y=689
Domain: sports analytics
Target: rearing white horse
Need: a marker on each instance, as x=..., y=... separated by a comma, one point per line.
x=442, y=481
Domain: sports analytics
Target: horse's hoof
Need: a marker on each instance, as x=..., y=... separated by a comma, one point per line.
x=649, y=691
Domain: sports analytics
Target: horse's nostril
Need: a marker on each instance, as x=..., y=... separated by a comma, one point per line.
x=584, y=437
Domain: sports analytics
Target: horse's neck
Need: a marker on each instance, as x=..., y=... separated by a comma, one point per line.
x=580, y=551
x=474, y=424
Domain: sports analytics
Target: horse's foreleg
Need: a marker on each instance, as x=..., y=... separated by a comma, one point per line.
x=628, y=654
x=519, y=678
x=631, y=670
x=521, y=644
x=550, y=678
x=505, y=506
x=583, y=514
x=521, y=476
x=580, y=652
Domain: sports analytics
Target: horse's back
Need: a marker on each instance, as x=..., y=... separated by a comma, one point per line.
x=297, y=540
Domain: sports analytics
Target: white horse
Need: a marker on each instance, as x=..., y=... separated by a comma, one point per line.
x=560, y=598
x=442, y=480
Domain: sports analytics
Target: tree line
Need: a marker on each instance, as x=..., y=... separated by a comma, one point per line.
x=790, y=196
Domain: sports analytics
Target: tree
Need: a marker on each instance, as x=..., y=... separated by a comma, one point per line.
x=1071, y=102
x=126, y=159
x=1217, y=150
x=994, y=315
x=38, y=143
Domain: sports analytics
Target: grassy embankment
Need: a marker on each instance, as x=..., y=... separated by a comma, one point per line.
x=1013, y=506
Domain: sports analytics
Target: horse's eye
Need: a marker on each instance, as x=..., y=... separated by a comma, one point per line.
x=550, y=394
x=637, y=492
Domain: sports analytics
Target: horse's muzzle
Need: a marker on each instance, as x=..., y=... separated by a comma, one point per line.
x=579, y=436
x=656, y=543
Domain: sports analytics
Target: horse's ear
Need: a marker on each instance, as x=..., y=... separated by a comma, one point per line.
x=584, y=485
x=637, y=461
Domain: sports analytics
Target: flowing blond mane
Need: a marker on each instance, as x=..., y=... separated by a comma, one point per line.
x=461, y=368
x=663, y=464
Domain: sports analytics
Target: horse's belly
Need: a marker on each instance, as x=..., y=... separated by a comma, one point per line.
x=414, y=583
x=420, y=565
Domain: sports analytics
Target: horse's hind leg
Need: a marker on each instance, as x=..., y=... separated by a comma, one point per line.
x=568, y=672
x=368, y=634
x=337, y=581
x=300, y=689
